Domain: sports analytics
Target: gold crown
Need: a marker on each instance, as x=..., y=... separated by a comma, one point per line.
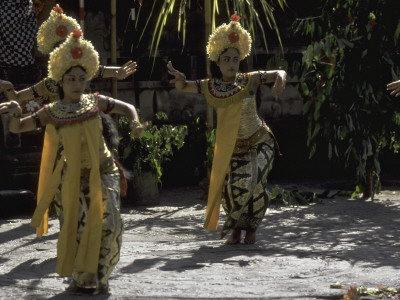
x=230, y=35
x=75, y=51
x=55, y=29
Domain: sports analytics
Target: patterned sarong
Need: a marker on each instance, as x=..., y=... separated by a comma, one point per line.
x=245, y=197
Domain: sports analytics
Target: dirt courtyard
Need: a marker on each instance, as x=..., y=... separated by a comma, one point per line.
x=166, y=254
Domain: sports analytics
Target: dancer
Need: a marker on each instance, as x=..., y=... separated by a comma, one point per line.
x=51, y=33
x=85, y=174
x=244, y=148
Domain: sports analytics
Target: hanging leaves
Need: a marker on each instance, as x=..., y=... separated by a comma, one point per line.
x=353, y=53
x=243, y=8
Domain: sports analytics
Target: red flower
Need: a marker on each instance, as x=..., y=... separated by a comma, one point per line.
x=77, y=33
x=76, y=53
x=235, y=17
x=233, y=37
x=373, y=23
x=62, y=31
x=58, y=9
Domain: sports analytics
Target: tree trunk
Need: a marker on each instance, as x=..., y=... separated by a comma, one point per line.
x=369, y=178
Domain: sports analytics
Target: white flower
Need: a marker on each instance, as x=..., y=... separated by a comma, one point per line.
x=32, y=106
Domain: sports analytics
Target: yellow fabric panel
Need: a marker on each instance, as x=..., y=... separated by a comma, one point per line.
x=50, y=147
x=229, y=110
x=40, y=216
x=89, y=249
x=227, y=129
x=69, y=256
x=70, y=189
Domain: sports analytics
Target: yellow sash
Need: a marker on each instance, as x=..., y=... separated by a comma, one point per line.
x=229, y=111
x=69, y=256
x=227, y=129
x=49, y=153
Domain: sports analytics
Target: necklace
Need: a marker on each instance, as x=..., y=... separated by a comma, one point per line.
x=70, y=107
x=221, y=86
x=68, y=113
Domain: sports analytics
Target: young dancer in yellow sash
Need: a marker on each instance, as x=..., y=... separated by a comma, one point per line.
x=78, y=166
x=244, y=148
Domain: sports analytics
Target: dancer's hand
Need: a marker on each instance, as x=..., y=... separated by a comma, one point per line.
x=6, y=86
x=126, y=70
x=280, y=83
x=179, y=76
x=11, y=107
x=394, y=87
x=138, y=128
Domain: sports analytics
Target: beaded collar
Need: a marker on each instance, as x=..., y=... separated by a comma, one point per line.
x=220, y=89
x=70, y=113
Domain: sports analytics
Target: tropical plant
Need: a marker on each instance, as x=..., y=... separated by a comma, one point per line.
x=155, y=146
x=254, y=14
x=353, y=53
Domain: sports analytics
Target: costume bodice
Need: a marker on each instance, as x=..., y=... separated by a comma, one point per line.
x=221, y=94
x=75, y=114
x=106, y=160
x=249, y=119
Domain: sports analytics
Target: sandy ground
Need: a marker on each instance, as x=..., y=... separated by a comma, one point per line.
x=166, y=254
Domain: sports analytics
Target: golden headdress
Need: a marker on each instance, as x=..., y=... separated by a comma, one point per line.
x=227, y=36
x=75, y=51
x=55, y=29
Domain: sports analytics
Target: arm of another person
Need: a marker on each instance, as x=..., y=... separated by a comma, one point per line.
x=28, y=123
x=181, y=84
x=394, y=87
x=120, y=73
x=278, y=77
x=29, y=93
x=115, y=106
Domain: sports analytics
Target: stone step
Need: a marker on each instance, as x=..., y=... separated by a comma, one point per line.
x=16, y=202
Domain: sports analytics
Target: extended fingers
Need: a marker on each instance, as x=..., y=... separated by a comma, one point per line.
x=170, y=67
x=5, y=107
x=129, y=64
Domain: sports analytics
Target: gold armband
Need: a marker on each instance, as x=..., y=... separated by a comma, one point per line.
x=134, y=124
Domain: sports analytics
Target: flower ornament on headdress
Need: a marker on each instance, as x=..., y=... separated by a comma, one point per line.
x=55, y=29
x=75, y=51
x=231, y=35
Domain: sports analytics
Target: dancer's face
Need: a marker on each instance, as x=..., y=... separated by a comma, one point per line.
x=228, y=63
x=74, y=83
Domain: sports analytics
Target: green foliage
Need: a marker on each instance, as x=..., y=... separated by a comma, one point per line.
x=286, y=197
x=353, y=53
x=156, y=145
x=255, y=15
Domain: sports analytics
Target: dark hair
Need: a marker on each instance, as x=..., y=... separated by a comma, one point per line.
x=60, y=89
x=215, y=71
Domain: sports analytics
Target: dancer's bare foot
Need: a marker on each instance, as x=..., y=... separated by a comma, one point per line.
x=250, y=237
x=73, y=287
x=234, y=238
x=102, y=289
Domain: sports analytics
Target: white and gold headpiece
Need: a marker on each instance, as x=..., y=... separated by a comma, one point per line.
x=55, y=29
x=75, y=51
x=231, y=35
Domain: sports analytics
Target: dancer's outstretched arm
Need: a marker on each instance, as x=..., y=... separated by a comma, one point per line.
x=31, y=122
x=120, y=73
x=39, y=89
x=115, y=106
x=18, y=124
x=278, y=77
x=394, y=87
x=180, y=81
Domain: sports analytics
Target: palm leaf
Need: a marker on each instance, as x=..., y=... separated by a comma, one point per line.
x=245, y=8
